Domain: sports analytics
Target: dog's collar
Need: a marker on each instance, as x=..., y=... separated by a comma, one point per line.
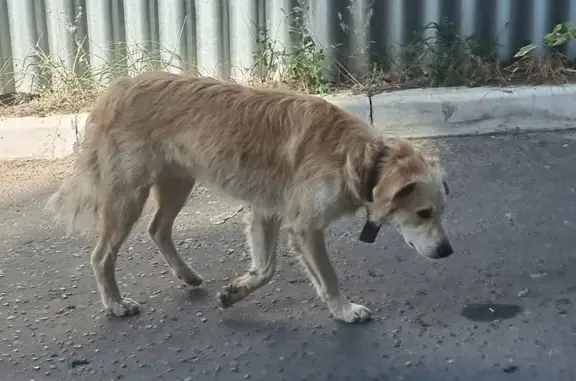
x=374, y=176
x=370, y=230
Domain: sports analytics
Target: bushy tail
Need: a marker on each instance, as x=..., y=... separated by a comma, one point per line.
x=76, y=201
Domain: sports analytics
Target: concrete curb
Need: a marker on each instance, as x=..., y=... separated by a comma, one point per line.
x=474, y=111
x=51, y=137
x=416, y=113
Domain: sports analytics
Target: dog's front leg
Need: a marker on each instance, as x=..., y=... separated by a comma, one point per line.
x=310, y=245
x=262, y=232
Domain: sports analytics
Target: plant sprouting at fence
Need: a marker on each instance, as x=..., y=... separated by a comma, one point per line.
x=299, y=67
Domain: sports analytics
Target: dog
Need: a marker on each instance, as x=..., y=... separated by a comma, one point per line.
x=296, y=161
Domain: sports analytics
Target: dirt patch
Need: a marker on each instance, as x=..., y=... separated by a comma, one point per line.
x=21, y=176
x=42, y=107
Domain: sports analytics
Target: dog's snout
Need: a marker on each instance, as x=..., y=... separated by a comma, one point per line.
x=444, y=250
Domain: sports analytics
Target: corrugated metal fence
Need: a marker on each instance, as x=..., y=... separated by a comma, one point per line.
x=220, y=37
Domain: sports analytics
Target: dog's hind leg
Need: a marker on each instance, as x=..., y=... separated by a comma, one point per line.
x=262, y=233
x=118, y=216
x=171, y=194
x=310, y=244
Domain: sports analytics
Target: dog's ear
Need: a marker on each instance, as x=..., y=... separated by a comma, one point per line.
x=395, y=184
x=404, y=191
x=395, y=190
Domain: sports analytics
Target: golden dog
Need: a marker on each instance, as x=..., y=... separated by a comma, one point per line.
x=298, y=162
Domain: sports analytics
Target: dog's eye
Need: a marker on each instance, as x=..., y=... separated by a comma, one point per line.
x=425, y=213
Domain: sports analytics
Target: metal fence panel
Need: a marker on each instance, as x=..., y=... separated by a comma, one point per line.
x=221, y=37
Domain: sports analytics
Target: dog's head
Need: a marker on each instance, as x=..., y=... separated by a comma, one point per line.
x=410, y=194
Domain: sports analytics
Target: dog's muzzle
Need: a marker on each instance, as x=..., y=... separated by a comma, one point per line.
x=444, y=250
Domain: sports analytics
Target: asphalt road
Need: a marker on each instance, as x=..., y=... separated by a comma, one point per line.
x=501, y=308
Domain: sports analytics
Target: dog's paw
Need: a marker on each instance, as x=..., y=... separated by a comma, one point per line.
x=127, y=307
x=353, y=313
x=189, y=276
x=230, y=295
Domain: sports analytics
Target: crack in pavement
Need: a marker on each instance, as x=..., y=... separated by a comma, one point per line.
x=371, y=111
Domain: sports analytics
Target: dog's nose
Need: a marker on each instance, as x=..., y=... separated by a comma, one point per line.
x=444, y=250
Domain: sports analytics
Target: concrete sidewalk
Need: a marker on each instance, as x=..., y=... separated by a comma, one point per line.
x=51, y=137
x=409, y=113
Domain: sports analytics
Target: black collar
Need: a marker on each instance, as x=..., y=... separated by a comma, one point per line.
x=374, y=175
x=370, y=230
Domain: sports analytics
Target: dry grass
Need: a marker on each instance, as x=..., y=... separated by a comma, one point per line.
x=68, y=86
x=553, y=69
x=447, y=59
x=442, y=58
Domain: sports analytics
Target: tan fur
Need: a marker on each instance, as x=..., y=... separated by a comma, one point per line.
x=297, y=161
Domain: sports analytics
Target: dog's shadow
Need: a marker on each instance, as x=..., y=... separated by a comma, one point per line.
x=329, y=343
x=196, y=294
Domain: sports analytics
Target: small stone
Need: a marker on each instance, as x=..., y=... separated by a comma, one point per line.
x=563, y=302
x=11, y=317
x=538, y=275
x=510, y=369
x=523, y=293
x=79, y=362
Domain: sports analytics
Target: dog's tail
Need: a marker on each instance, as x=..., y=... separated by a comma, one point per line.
x=76, y=201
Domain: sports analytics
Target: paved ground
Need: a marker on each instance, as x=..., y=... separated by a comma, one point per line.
x=502, y=308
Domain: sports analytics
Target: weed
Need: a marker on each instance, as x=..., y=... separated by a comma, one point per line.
x=300, y=66
x=560, y=35
x=550, y=65
x=70, y=84
x=446, y=58
x=442, y=58
x=304, y=63
x=267, y=60
x=304, y=68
